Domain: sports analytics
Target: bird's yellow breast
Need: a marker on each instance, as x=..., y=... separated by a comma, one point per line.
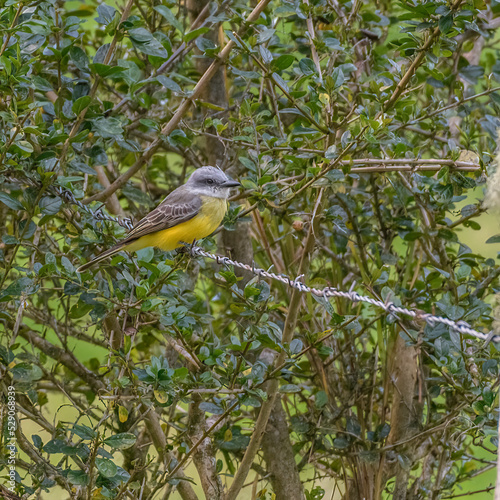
x=207, y=220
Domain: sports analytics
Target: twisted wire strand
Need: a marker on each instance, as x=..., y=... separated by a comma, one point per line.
x=432, y=320
x=98, y=214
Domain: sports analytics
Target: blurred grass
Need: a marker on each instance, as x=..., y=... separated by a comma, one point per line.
x=490, y=226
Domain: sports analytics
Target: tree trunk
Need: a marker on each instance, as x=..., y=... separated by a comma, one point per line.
x=404, y=419
x=279, y=456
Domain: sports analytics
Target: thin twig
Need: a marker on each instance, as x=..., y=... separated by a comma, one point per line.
x=414, y=65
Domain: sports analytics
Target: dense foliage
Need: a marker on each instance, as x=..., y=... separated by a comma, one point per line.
x=357, y=129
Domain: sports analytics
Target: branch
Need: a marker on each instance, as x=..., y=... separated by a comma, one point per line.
x=160, y=442
x=113, y=204
x=426, y=133
x=204, y=456
x=414, y=65
x=93, y=90
x=288, y=330
x=63, y=357
x=453, y=105
x=279, y=456
x=409, y=168
x=171, y=125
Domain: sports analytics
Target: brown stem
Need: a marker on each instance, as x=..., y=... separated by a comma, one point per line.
x=63, y=357
x=154, y=429
x=288, y=331
x=414, y=65
x=97, y=81
x=9, y=34
x=204, y=456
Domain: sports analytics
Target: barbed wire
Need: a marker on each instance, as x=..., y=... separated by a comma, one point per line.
x=391, y=308
x=98, y=214
x=328, y=292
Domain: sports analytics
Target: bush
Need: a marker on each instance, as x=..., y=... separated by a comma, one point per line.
x=361, y=133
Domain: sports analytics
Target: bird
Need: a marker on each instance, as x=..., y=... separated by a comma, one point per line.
x=189, y=213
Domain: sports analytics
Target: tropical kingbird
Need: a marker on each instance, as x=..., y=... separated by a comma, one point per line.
x=190, y=212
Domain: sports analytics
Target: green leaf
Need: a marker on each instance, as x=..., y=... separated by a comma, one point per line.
x=28, y=232
x=101, y=54
x=8, y=239
x=265, y=35
x=494, y=239
x=54, y=446
x=105, y=70
x=195, y=33
x=445, y=23
x=290, y=388
x=50, y=205
x=169, y=16
x=320, y=399
x=307, y=66
x=178, y=137
x=338, y=77
x=108, y=127
x=106, y=467
x=80, y=104
x=82, y=167
x=341, y=443
x=168, y=83
x=79, y=310
x=78, y=478
x=283, y=85
x=79, y=58
x=11, y=202
x=145, y=254
x=283, y=62
x=71, y=288
x=84, y=432
x=106, y=14
x=17, y=287
x=41, y=84
x=472, y=73
x=211, y=408
x=26, y=373
x=296, y=346
x=22, y=148
x=144, y=41
x=206, y=46
x=121, y=441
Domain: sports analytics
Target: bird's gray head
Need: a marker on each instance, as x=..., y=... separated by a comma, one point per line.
x=211, y=181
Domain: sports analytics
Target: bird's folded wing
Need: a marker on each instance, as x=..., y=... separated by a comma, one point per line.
x=174, y=210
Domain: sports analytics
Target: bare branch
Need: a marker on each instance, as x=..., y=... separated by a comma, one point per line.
x=204, y=456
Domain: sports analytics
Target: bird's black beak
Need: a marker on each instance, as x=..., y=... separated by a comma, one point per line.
x=230, y=183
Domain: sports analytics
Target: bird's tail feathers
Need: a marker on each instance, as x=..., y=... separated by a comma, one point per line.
x=104, y=255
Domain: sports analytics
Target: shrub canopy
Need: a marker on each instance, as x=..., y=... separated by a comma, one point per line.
x=360, y=132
